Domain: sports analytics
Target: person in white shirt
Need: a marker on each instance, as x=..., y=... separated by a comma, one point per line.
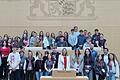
x=112, y=67
x=47, y=41
x=64, y=60
x=87, y=44
x=105, y=55
x=14, y=60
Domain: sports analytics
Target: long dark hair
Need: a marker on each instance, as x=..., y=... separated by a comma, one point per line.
x=65, y=53
x=41, y=35
x=114, y=58
x=85, y=53
x=78, y=52
x=97, y=58
x=87, y=57
x=5, y=42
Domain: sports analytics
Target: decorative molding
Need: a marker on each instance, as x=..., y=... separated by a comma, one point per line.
x=62, y=10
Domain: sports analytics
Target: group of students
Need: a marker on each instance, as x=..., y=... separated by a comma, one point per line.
x=75, y=39
x=15, y=65
x=94, y=65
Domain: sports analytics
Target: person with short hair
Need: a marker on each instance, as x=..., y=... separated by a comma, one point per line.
x=22, y=62
x=96, y=38
x=60, y=33
x=77, y=33
x=105, y=55
x=14, y=61
x=72, y=39
x=81, y=40
x=62, y=42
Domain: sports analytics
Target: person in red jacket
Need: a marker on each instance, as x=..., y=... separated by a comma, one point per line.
x=5, y=50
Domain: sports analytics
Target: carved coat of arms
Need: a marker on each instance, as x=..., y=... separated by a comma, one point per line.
x=63, y=9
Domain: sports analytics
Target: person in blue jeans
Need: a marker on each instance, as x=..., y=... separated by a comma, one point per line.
x=88, y=64
x=112, y=67
x=39, y=67
x=49, y=65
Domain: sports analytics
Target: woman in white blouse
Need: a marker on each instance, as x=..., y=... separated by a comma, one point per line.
x=64, y=60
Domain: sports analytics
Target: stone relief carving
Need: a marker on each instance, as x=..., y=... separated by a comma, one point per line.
x=51, y=9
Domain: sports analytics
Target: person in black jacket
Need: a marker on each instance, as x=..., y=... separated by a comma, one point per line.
x=39, y=67
x=100, y=68
x=29, y=66
x=88, y=64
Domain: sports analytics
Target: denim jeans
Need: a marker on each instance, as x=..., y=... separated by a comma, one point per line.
x=89, y=74
x=38, y=75
x=48, y=73
x=111, y=77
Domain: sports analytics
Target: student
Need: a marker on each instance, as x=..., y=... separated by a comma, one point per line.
x=102, y=41
x=22, y=62
x=10, y=43
x=5, y=37
x=36, y=55
x=113, y=67
x=72, y=39
x=77, y=33
x=55, y=55
x=39, y=66
x=0, y=41
x=60, y=33
x=29, y=66
x=85, y=32
x=14, y=61
x=49, y=65
x=45, y=57
x=94, y=56
x=77, y=61
x=100, y=68
x=25, y=32
x=25, y=40
x=88, y=64
x=17, y=41
x=64, y=60
x=33, y=39
x=87, y=44
x=41, y=37
x=96, y=37
x=53, y=40
x=105, y=55
x=81, y=39
x=62, y=42
x=5, y=51
x=1, y=67
x=47, y=41
x=66, y=37
x=37, y=43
